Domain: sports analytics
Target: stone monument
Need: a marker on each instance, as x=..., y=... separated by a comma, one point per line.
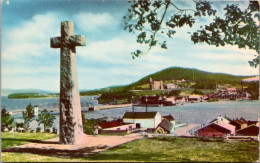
x=71, y=128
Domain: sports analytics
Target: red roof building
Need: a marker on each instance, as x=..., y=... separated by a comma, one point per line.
x=239, y=123
x=109, y=124
x=213, y=130
x=231, y=89
x=115, y=126
x=251, y=130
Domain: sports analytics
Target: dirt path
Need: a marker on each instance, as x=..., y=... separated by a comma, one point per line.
x=184, y=131
x=90, y=145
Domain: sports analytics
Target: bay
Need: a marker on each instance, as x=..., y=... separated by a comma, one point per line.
x=191, y=113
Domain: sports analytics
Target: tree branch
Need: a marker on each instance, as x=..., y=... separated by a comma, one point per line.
x=182, y=9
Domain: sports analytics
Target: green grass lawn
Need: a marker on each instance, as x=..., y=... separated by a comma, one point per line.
x=157, y=149
x=14, y=139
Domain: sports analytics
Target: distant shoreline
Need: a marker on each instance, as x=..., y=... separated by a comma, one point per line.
x=40, y=97
x=112, y=106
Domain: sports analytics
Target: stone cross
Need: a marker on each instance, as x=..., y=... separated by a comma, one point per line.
x=71, y=129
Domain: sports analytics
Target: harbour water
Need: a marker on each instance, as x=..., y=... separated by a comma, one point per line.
x=191, y=113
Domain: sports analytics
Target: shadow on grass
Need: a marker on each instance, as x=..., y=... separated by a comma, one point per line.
x=56, y=152
x=138, y=156
x=29, y=141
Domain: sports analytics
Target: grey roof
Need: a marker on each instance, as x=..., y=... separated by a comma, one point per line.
x=168, y=117
x=213, y=120
x=165, y=124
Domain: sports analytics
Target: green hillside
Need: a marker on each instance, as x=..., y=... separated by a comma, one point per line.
x=195, y=75
x=202, y=78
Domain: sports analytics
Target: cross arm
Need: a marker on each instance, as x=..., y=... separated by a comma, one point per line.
x=56, y=42
x=77, y=40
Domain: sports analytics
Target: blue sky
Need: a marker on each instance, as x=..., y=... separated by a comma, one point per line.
x=29, y=62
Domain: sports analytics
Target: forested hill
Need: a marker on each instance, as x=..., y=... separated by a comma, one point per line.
x=178, y=73
x=203, y=79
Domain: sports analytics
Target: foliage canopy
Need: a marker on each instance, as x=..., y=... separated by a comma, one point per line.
x=151, y=20
x=7, y=121
x=46, y=119
x=28, y=116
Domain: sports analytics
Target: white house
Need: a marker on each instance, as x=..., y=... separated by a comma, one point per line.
x=169, y=100
x=194, y=98
x=171, y=86
x=220, y=118
x=143, y=119
x=36, y=110
x=180, y=100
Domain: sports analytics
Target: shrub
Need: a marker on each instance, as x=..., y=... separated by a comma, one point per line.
x=38, y=129
x=174, y=93
x=197, y=92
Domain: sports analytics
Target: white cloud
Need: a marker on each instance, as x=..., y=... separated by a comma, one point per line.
x=115, y=50
x=30, y=38
x=90, y=22
x=104, y=62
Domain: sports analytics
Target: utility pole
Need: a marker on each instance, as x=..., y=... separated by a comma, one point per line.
x=133, y=104
x=146, y=101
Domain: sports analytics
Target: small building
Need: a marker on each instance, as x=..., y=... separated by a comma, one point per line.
x=205, y=97
x=251, y=130
x=220, y=118
x=143, y=119
x=239, y=123
x=172, y=120
x=194, y=98
x=169, y=118
x=36, y=110
x=115, y=126
x=151, y=100
x=227, y=126
x=182, y=81
x=231, y=90
x=164, y=127
x=243, y=120
x=180, y=100
x=155, y=85
x=171, y=86
x=252, y=123
x=213, y=130
x=169, y=101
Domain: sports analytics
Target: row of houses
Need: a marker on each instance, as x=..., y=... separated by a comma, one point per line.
x=229, y=94
x=224, y=126
x=145, y=121
x=169, y=101
x=162, y=100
